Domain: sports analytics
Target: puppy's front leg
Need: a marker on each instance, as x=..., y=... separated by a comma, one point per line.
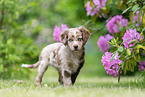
x=66, y=78
x=41, y=70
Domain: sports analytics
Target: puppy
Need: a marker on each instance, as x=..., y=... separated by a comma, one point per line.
x=66, y=57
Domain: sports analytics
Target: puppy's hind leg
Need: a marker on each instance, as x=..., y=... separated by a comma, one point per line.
x=41, y=70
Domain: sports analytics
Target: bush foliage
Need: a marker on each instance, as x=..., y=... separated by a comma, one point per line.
x=125, y=21
x=15, y=45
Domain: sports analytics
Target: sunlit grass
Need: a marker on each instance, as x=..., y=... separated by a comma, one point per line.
x=84, y=87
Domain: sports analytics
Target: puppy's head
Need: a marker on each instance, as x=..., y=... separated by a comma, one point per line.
x=75, y=38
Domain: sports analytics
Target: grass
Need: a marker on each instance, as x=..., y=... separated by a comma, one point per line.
x=84, y=87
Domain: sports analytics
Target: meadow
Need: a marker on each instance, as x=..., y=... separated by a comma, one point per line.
x=84, y=87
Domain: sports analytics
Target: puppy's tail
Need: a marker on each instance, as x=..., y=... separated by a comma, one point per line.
x=33, y=66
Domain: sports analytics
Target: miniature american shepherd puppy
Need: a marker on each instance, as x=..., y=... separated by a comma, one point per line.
x=67, y=57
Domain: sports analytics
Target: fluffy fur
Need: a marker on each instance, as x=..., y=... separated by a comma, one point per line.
x=66, y=57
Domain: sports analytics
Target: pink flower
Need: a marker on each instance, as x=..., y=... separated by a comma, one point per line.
x=103, y=44
x=136, y=19
x=57, y=31
x=115, y=23
x=88, y=8
x=131, y=34
x=141, y=66
x=98, y=4
x=111, y=67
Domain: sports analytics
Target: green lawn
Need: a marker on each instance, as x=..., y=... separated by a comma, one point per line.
x=84, y=87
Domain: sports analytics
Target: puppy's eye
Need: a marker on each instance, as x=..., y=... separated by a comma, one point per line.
x=70, y=40
x=79, y=39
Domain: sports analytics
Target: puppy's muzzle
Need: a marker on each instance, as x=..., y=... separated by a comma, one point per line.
x=75, y=47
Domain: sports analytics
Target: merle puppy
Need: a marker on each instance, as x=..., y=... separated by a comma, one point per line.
x=66, y=57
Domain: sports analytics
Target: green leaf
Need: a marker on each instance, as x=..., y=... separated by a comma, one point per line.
x=124, y=41
x=94, y=18
x=131, y=16
x=114, y=42
x=1, y=2
x=128, y=52
x=120, y=49
x=128, y=2
x=142, y=58
x=109, y=1
x=113, y=56
x=123, y=65
x=91, y=3
x=136, y=57
x=135, y=8
x=119, y=3
x=126, y=67
x=136, y=50
x=126, y=9
x=143, y=19
x=123, y=6
x=132, y=42
x=139, y=15
x=132, y=63
x=119, y=74
x=140, y=46
x=133, y=0
x=1, y=68
x=118, y=78
x=9, y=41
x=143, y=30
x=144, y=9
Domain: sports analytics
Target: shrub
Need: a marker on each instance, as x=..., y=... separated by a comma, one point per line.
x=125, y=20
x=15, y=45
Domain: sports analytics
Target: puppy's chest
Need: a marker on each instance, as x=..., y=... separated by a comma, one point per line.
x=72, y=63
x=63, y=59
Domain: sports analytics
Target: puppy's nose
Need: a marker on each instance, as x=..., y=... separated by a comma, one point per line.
x=76, y=46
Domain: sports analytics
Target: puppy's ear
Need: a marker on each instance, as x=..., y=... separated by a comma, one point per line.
x=64, y=36
x=86, y=34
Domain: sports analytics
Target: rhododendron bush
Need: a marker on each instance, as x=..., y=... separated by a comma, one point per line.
x=123, y=31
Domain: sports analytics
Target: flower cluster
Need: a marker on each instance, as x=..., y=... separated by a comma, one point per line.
x=98, y=4
x=111, y=67
x=141, y=66
x=103, y=42
x=57, y=31
x=135, y=19
x=130, y=35
x=115, y=23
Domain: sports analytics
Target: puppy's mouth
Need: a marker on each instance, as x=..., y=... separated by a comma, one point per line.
x=76, y=49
